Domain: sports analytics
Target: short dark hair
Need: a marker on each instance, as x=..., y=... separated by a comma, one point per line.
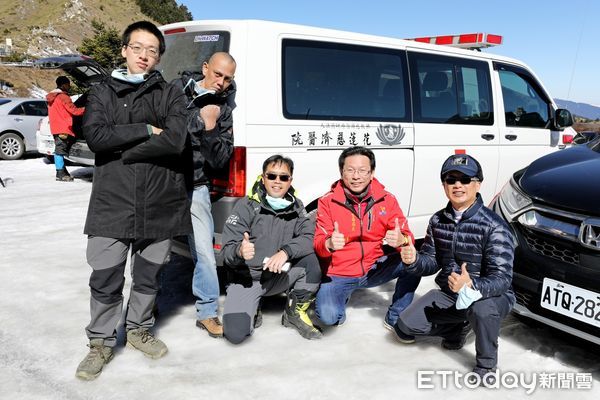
x=144, y=26
x=62, y=80
x=279, y=159
x=356, y=151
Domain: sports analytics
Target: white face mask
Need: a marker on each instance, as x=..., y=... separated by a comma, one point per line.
x=122, y=75
x=277, y=203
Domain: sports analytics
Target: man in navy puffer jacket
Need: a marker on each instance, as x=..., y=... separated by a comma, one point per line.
x=472, y=249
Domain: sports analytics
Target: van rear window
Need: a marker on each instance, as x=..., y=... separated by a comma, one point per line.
x=187, y=51
x=332, y=81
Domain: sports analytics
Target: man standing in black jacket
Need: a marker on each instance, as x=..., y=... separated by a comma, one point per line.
x=135, y=125
x=473, y=250
x=210, y=126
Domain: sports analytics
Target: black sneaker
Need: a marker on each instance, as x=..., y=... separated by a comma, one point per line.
x=457, y=339
x=403, y=337
x=62, y=175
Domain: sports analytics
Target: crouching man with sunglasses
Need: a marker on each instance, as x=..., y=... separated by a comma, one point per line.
x=471, y=248
x=360, y=230
x=267, y=245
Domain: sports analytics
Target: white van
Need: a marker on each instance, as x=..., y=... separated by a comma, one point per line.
x=308, y=93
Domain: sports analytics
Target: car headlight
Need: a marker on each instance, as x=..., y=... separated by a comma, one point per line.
x=512, y=199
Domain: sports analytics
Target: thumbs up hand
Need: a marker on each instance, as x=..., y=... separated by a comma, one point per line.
x=408, y=253
x=394, y=237
x=246, y=250
x=456, y=281
x=337, y=240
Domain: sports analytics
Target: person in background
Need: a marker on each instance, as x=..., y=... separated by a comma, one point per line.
x=267, y=244
x=210, y=127
x=360, y=231
x=60, y=113
x=135, y=125
x=472, y=250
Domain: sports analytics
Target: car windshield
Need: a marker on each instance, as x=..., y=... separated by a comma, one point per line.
x=594, y=144
x=187, y=51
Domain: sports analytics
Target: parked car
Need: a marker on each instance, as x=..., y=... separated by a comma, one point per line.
x=19, y=118
x=553, y=209
x=84, y=72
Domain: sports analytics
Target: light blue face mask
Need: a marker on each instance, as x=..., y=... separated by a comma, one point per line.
x=466, y=297
x=277, y=203
x=122, y=75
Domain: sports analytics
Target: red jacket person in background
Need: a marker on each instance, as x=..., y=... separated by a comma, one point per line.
x=60, y=113
x=360, y=229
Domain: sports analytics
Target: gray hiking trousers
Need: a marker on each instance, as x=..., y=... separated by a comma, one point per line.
x=244, y=294
x=107, y=257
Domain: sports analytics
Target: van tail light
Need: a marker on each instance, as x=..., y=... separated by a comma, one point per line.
x=234, y=184
x=40, y=124
x=567, y=139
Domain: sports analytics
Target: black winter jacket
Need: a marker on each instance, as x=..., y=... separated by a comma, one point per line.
x=481, y=239
x=289, y=230
x=139, y=187
x=211, y=149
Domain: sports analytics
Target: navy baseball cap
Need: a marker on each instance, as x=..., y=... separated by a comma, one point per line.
x=462, y=163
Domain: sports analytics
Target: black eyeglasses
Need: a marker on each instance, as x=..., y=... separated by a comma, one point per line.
x=282, y=177
x=465, y=180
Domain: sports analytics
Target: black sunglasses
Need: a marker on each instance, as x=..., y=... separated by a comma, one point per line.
x=282, y=178
x=465, y=180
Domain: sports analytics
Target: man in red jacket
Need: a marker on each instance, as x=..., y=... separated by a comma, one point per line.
x=360, y=230
x=60, y=112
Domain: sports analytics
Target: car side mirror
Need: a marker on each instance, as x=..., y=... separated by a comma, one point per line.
x=562, y=118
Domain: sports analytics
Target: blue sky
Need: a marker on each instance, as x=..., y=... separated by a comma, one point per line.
x=557, y=39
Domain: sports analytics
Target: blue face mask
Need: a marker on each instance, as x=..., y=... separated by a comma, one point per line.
x=122, y=75
x=277, y=203
x=466, y=297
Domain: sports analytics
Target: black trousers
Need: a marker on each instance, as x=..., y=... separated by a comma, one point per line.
x=435, y=314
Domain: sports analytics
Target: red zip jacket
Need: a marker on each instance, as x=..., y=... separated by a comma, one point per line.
x=364, y=225
x=60, y=112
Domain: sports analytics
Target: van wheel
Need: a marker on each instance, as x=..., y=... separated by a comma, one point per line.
x=11, y=146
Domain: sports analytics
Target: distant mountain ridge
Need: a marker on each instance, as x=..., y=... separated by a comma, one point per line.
x=580, y=109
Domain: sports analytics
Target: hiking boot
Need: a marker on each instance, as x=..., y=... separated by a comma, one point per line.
x=212, y=325
x=143, y=340
x=294, y=316
x=63, y=175
x=457, y=339
x=98, y=356
x=401, y=336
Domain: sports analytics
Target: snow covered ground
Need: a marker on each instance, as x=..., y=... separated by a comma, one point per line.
x=44, y=300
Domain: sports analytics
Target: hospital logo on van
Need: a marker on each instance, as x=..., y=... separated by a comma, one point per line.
x=390, y=134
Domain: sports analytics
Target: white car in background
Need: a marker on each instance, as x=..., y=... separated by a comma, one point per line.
x=84, y=72
x=19, y=118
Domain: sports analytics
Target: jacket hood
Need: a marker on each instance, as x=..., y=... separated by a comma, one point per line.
x=566, y=179
x=50, y=97
x=258, y=194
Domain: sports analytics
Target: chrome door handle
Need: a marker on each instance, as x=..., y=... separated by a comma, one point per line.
x=511, y=137
x=488, y=136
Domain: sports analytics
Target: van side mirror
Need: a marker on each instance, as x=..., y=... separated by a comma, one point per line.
x=562, y=118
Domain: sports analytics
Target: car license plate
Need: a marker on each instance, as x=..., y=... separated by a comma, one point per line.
x=572, y=301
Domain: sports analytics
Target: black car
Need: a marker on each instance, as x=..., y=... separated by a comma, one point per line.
x=553, y=208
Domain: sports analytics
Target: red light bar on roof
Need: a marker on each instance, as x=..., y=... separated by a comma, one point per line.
x=465, y=41
x=174, y=30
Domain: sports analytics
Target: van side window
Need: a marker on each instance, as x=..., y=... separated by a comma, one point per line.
x=525, y=104
x=451, y=90
x=330, y=81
